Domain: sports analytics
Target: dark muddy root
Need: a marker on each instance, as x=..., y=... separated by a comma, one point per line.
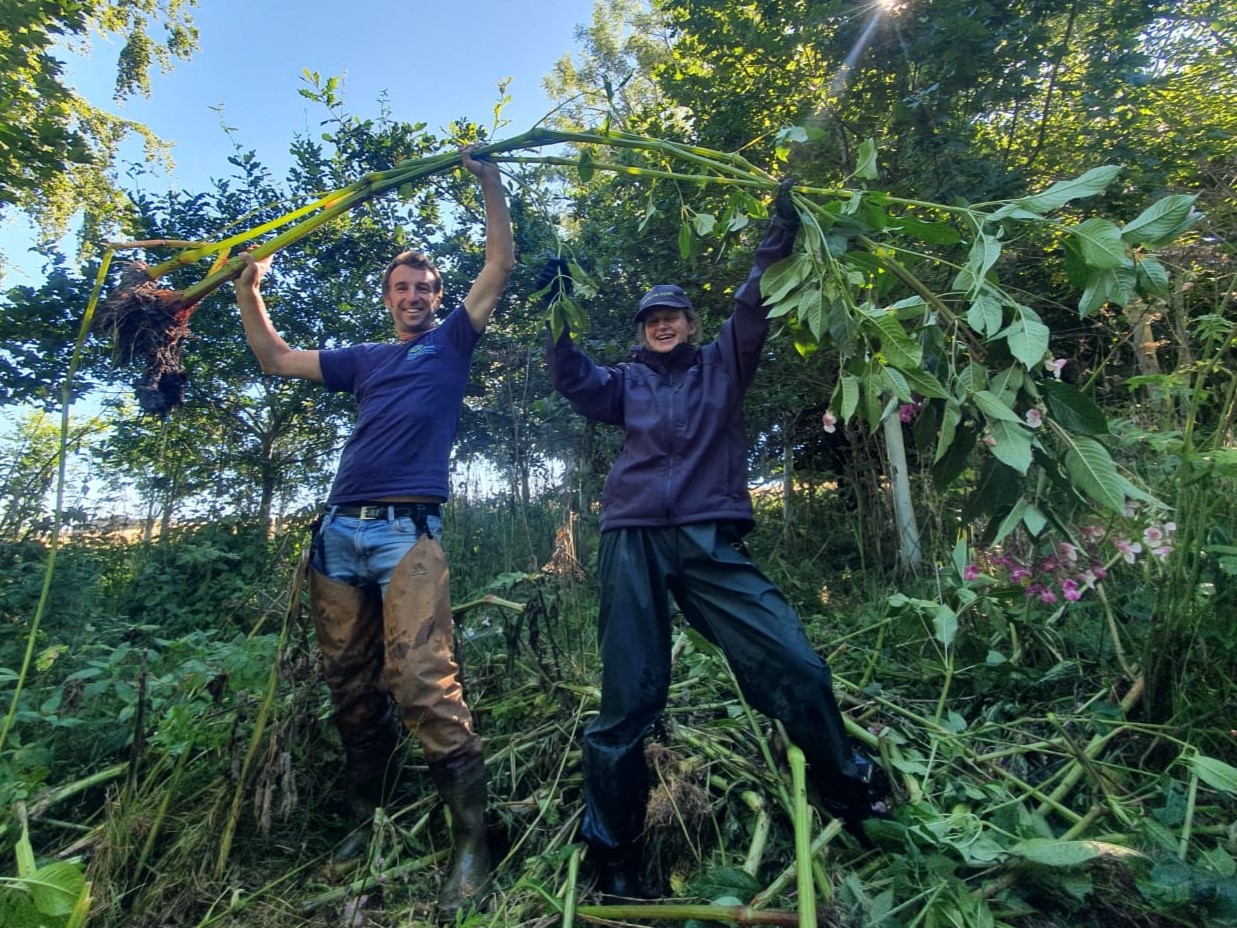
x=149, y=325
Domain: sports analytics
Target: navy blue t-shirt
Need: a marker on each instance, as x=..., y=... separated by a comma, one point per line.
x=408, y=409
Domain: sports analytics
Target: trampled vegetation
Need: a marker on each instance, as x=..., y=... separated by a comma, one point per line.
x=991, y=457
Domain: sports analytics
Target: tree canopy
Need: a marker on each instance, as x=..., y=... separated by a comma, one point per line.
x=57, y=149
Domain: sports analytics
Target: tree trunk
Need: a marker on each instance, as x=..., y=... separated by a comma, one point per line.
x=909, y=555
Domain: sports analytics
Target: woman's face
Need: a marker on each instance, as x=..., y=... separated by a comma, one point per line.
x=664, y=329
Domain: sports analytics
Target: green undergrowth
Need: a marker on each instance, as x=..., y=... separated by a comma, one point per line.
x=183, y=772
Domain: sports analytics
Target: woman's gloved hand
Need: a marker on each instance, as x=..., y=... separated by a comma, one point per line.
x=555, y=275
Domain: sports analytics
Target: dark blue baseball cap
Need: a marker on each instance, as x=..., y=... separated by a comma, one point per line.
x=663, y=296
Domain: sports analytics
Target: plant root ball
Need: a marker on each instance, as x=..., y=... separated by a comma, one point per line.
x=679, y=812
x=148, y=324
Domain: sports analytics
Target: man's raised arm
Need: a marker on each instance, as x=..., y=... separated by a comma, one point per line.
x=273, y=353
x=499, y=244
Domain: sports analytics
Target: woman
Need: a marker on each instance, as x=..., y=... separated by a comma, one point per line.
x=675, y=508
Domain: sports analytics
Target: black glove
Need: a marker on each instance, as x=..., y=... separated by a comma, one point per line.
x=556, y=275
x=783, y=205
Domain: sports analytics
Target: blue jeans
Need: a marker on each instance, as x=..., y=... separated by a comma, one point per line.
x=360, y=552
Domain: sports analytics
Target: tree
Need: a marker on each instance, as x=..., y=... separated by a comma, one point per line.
x=56, y=149
x=29, y=459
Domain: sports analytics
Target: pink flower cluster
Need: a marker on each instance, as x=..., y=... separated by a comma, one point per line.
x=1070, y=570
x=1066, y=573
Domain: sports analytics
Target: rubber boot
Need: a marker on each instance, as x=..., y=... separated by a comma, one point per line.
x=856, y=799
x=620, y=872
x=460, y=779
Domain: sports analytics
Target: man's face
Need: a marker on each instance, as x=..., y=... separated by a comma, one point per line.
x=412, y=299
x=664, y=329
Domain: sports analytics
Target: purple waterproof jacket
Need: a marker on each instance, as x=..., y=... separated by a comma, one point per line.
x=684, y=456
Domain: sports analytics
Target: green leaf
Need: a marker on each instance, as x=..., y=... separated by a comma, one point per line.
x=787, y=137
x=1072, y=409
x=893, y=381
x=1028, y=340
x=1063, y=191
x=866, y=162
x=950, y=418
x=726, y=881
x=1152, y=278
x=945, y=625
x=1100, y=244
x=961, y=555
x=805, y=344
x=1013, y=444
x=849, y=388
x=1054, y=853
x=912, y=307
x=585, y=165
x=1112, y=284
x=1006, y=384
x=56, y=887
x=993, y=409
x=650, y=212
x=812, y=312
x=24, y=852
x=575, y=316
x=899, y=349
x=783, y=276
x=924, y=383
x=1162, y=221
x=873, y=406
x=1011, y=521
x=786, y=306
x=704, y=223
x=1215, y=773
x=985, y=315
x=985, y=251
x=1034, y=519
x=934, y=233
x=1093, y=471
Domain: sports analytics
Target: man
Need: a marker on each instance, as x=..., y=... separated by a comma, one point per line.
x=674, y=510
x=378, y=580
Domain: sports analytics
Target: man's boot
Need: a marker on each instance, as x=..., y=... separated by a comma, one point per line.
x=460, y=779
x=372, y=771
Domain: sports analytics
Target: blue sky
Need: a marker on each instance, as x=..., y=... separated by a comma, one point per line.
x=437, y=61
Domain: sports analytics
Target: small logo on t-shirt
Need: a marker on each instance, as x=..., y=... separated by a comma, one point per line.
x=419, y=350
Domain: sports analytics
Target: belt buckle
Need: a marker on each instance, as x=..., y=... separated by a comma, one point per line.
x=373, y=512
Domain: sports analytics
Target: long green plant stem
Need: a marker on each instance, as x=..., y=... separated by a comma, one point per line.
x=50, y=797
x=1091, y=751
x=803, y=844
x=760, y=831
x=787, y=876
x=569, y=891
x=66, y=402
x=736, y=914
x=369, y=881
x=713, y=167
x=255, y=743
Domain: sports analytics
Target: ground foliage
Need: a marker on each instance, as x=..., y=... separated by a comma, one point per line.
x=181, y=751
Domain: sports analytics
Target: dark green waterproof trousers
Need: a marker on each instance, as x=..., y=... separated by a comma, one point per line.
x=725, y=597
